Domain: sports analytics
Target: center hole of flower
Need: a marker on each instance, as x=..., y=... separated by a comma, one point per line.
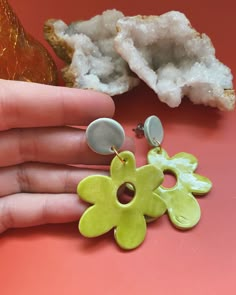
x=126, y=193
x=170, y=179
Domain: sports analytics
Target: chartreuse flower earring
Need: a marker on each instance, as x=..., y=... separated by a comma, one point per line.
x=108, y=210
x=183, y=209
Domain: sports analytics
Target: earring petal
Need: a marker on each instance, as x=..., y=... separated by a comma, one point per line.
x=152, y=176
x=89, y=187
x=183, y=209
x=97, y=220
x=125, y=169
x=155, y=207
x=131, y=231
x=199, y=184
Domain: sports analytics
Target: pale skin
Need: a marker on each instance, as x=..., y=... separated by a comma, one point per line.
x=37, y=142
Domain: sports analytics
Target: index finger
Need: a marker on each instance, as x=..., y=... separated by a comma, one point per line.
x=24, y=104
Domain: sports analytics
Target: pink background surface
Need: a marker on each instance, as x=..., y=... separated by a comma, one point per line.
x=56, y=259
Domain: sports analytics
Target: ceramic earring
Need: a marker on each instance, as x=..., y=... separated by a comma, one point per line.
x=183, y=209
x=106, y=136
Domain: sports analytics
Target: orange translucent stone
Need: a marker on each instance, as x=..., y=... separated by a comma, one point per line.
x=21, y=56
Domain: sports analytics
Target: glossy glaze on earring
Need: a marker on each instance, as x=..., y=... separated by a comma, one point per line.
x=183, y=209
x=107, y=212
x=127, y=220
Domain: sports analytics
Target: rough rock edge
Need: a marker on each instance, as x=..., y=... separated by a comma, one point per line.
x=60, y=47
x=229, y=94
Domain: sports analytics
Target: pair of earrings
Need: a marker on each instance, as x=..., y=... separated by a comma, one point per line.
x=149, y=198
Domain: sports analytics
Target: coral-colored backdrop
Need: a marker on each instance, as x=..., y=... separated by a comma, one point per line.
x=55, y=259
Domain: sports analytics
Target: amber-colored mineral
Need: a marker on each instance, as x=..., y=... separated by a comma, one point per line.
x=21, y=56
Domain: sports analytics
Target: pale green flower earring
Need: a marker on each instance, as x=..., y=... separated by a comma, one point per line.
x=183, y=209
x=108, y=211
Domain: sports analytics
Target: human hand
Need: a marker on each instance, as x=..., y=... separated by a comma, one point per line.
x=37, y=143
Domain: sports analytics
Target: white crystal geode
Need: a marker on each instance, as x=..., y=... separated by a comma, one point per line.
x=87, y=47
x=164, y=51
x=175, y=60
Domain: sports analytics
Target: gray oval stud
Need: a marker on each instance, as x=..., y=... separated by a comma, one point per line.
x=103, y=134
x=153, y=130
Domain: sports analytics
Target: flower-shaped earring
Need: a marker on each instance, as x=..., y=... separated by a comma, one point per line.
x=183, y=209
x=128, y=219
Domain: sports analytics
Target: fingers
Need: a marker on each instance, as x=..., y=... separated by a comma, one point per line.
x=42, y=178
x=23, y=210
x=24, y=104
x=65, y=145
